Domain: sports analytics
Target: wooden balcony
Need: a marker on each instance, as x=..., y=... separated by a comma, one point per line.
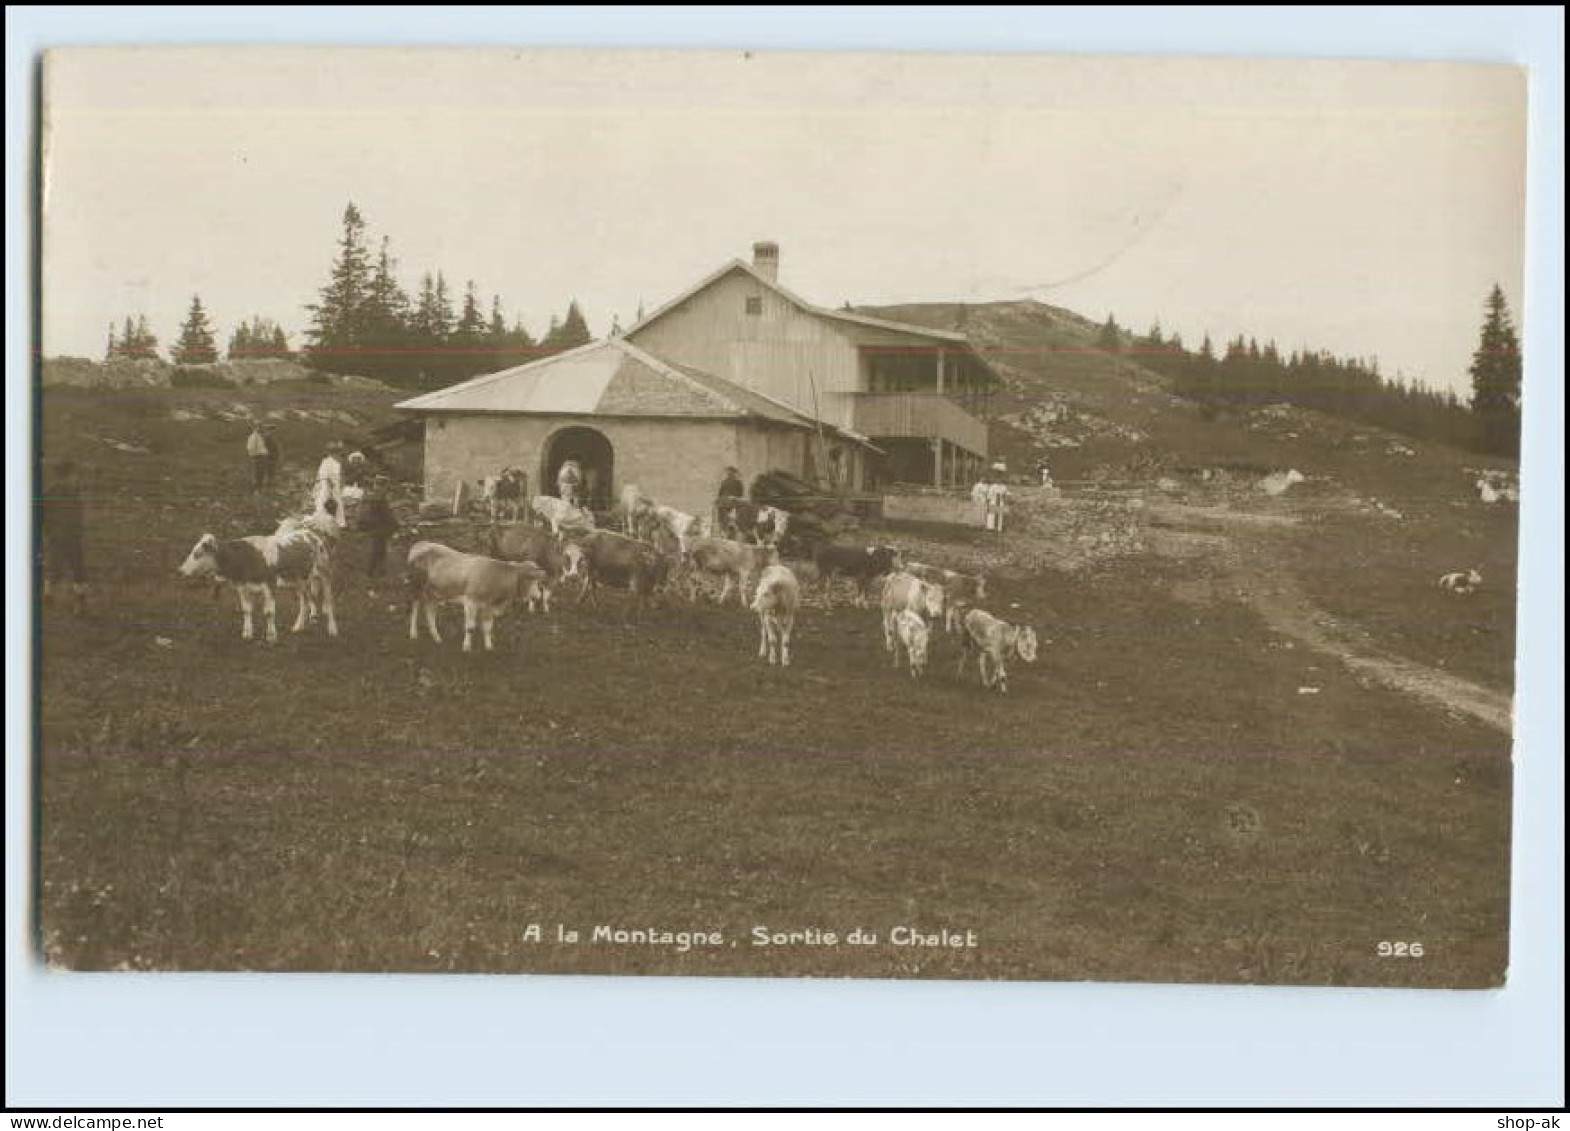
x=928, y=416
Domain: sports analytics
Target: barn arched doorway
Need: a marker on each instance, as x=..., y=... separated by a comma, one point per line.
x=595, y=456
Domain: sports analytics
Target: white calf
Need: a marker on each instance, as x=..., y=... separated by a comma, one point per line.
x=776, y=601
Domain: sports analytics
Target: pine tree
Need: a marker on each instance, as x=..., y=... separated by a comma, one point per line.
x=1496, y=379
x=113, y=348
x=338, y=321
x=470, y=330
x=574, y=330
x=195, y=345
x=137, y=342
x=258, y=338
x=1109, y=338
x=498, y=327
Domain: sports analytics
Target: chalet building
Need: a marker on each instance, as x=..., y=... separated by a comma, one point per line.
x=736, y=371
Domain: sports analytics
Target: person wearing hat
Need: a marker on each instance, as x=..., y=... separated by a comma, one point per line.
x=730, y=493
x=329, y=484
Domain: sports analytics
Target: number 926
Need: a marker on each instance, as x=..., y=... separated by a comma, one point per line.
x=1399, y=950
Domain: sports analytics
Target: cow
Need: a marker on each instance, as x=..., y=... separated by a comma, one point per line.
x=294, y=555
x=483, y=586
x=608, y=558
x=637, y=512
x=911, y=633
x=682, y=525
x=1462, y=581
x=960, y=590
x=557, y=513
x=776, y=601
x=862, y=564
x=506, y=493
x=531, y=544
x=904, y=593
x=994, y=641
x=770, y=525
x=736, y=562
x=737, y=518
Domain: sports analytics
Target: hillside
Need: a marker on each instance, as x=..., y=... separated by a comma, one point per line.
x=123, y=373
x=1096, y=416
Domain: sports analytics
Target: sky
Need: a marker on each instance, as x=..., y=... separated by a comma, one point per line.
x=1362, y=207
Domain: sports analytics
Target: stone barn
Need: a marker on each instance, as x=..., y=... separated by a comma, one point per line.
x=626, y=417
x=735, y=371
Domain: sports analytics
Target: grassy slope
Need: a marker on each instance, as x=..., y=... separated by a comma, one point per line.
x=1154, y=800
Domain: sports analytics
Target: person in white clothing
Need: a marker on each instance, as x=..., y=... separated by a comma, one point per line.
x=329, y=484
x=997, y=505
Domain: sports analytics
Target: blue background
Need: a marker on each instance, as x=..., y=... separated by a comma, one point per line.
x=166, y=1040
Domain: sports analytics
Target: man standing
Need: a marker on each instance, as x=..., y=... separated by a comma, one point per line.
x=377, y=520
x=256, y=449
x=62, y=521
x=270, y=439
x=730, y=493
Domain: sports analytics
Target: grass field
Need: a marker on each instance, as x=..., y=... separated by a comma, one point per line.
x=1158, y=799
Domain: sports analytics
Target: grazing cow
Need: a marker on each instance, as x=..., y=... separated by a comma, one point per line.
x=911, y=633
x=862, y=564
x=532, y=544
x=608, y=558
x=637, y=511
x=294, y=555
x=506, y=493
x=905, y=593
x=736, y=562
x=994, y=641
x=557, y=513
x=960, y=590
x=1462, y=581
x=483, y=586
x=776, y=601
x=682, y=525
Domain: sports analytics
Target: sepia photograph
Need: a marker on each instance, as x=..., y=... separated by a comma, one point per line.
x=1027, y=518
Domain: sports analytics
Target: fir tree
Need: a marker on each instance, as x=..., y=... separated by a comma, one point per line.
x=1496, y=379
x=195, y=345
x=1109, y=338
x=338, y=327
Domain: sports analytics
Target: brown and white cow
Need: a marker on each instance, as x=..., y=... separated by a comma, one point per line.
x=605, y=558
x=507, y=492
x=736, y=562
x=993, y=641
x=770, y=525
x=532, y=544
x=557, y=513
x=776, y=601
x=483, y=586
x=637, y=512
x=684, y=526
x=294, y=555
x=904, y=593
x=960, y=590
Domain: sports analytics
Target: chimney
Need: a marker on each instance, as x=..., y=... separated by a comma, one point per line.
x=766, y=260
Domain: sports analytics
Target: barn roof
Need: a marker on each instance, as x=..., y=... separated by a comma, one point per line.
x=802, y=304
x=609, y=378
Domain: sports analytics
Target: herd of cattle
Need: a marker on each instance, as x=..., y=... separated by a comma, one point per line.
x=659, y=551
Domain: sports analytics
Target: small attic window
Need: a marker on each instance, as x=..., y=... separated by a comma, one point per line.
x=755, y=305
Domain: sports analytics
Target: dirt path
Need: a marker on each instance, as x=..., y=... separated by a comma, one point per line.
x=1266, y=584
